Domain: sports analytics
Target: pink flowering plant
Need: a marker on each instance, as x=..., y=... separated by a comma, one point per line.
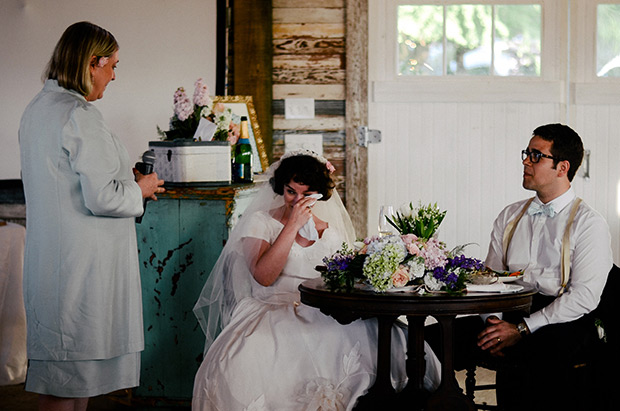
x=188, y=113
x=398, y=261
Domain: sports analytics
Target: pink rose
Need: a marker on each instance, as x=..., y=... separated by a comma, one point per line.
x=400, y=277
x=330, y=167
x=409, y=238
x=413, y=249
x=219, y=108
x=233, y=133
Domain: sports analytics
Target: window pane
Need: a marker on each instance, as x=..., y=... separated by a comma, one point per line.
x=517, y=40
x=607, y=45
x=468, y=36
x=420, y=40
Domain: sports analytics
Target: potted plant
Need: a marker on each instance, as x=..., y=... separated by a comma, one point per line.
x=196, y=148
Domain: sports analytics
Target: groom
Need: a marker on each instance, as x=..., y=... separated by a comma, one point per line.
x=564, y=248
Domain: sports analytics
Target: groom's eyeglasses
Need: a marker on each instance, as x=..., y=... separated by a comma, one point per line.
x=535, y=156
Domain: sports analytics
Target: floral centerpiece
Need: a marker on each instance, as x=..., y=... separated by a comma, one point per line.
x=414, y=257
x=188, y=114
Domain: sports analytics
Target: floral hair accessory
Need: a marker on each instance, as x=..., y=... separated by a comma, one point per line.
x=103, y=61
x=305, y=152
x=330, y=167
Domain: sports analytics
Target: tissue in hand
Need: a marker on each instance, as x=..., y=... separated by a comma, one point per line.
x=308, y=231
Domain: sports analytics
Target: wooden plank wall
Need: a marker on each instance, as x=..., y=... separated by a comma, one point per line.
x=309, y=62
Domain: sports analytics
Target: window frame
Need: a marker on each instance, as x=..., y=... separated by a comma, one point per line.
x=445, y=58
x=548, y=87
x=586, y=87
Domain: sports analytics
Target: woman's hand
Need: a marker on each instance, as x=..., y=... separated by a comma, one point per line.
x=497, y=335
x=271, y=259
x=301, y=213
x=149, y=184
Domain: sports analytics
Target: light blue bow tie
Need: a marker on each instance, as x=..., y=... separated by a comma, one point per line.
x=546, y=209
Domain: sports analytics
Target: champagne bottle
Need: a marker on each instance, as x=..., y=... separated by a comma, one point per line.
x=242, y=159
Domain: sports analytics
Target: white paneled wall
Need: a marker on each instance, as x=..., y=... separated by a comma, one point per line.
x=599, y=127
x=464, y=156
x=457, y=140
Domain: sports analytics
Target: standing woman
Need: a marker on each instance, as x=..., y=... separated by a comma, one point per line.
x=81, y=273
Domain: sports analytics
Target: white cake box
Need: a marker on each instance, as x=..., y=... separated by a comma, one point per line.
x=192, y=163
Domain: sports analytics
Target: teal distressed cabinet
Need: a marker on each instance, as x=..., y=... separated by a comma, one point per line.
x=179, y=239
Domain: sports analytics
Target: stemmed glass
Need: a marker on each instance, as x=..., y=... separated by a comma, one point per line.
x=385, y=228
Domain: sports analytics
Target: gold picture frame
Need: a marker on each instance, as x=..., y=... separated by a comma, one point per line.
x=244, y=106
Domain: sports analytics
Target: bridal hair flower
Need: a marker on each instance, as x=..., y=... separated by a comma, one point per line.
x=103, y=61
x=305, y=152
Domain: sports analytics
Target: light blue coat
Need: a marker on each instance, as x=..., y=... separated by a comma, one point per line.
x=81, y=274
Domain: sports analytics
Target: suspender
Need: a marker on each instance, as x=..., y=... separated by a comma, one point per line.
x=510, y=230
x=566, y=246
x=565, y=263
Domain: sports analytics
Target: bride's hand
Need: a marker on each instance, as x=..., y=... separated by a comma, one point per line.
x=302, y=212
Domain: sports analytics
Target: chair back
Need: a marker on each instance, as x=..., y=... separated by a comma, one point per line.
x=608, y=309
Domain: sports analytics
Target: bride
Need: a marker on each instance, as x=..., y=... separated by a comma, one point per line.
x=275, y=353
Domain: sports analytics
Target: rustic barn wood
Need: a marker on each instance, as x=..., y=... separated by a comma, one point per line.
x=252, y=59
x=308, y=15
x=321, y=107
x=331, y=30
x=308, y=45
x=316, y=123
x=309, y=62
x=357, y=112
x=307, y=3
x=310, y=76
x=316, y=91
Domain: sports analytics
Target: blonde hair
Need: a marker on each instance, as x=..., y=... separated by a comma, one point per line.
x=71, y=58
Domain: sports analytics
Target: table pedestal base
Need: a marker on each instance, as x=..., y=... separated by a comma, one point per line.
x=449, y=395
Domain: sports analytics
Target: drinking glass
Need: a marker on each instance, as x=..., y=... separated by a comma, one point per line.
x=385, y=228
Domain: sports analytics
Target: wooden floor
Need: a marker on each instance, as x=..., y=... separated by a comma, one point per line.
x=483, y=376
x=14, y=398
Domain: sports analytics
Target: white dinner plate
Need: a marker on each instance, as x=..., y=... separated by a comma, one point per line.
x=510, y=279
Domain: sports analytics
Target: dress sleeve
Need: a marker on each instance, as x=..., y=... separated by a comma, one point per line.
x=263, y=227
x=102, y=163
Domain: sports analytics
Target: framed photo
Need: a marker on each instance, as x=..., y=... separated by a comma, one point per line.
x=243, y=106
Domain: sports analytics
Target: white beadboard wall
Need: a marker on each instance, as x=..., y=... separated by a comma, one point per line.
x=599, y=126
x=466, y=157
x=457, y=142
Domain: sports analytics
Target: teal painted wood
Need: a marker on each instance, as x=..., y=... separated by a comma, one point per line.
x=179, y=241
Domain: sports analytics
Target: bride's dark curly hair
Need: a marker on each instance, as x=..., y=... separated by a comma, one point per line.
x=305, y=170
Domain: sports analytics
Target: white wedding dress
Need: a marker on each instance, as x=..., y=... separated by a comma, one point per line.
x=279, y=354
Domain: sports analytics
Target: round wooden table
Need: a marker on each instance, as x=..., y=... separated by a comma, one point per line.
x=387, y=307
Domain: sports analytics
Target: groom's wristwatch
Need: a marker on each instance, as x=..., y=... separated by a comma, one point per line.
x=522, y=328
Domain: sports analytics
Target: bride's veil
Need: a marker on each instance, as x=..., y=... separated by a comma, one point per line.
x=230, y=280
